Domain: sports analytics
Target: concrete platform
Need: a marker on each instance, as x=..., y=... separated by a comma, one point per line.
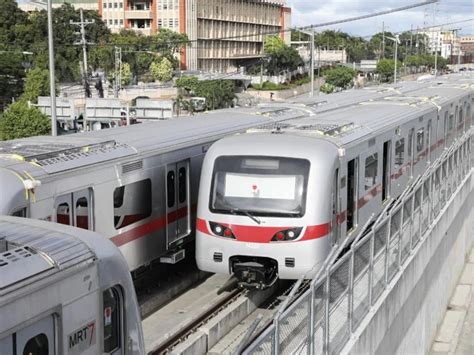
x=456, y=333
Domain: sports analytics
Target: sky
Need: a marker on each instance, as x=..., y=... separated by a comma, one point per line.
x=307, y=12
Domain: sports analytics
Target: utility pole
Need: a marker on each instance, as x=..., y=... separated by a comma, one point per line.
x=52, y=79
x=411, y=39
x=383, y=40
x=82, y=24
x=310, y=32
x=117, y=71
x=417, y=45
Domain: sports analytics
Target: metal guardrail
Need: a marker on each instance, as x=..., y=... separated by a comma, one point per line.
x=324, y=317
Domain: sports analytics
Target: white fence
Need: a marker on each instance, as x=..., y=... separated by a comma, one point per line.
x=323, y=318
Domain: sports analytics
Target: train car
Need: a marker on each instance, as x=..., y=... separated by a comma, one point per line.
x=64, y=290
x=135, y=185
x=274, y=201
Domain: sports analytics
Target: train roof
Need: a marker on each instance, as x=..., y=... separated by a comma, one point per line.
x=31, y=250
x=56, y=154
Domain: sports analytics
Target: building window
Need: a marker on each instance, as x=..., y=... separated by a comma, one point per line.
x=120, y=5
x=371, y=170
x=105, y=5
x=121, y=22
x=115, y=5
x=160, y=23
x=110, y=5
x=132, y=203
x=116, y=22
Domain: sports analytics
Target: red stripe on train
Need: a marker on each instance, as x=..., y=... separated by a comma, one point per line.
x=260, y=234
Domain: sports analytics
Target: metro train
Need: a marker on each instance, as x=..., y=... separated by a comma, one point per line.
x=274, y=201
x=137, y=185
x=64, y=290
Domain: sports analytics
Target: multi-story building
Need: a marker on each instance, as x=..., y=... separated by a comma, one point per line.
x=467, y=45
x=223, y=33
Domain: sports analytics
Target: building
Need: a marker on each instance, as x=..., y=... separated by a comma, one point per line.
x=322, y=56
x=445, y=42
x=78, y=4
x=467, y=45
x=224, y=34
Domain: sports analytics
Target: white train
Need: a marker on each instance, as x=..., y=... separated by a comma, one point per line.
x=64, y=290
x=274, y=201
x=135, y=185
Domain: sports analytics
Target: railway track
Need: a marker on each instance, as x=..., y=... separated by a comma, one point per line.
x=200, y=320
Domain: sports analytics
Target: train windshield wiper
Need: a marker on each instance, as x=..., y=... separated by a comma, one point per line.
x=247, y=213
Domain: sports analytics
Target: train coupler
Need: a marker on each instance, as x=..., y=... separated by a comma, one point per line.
x=255, y=274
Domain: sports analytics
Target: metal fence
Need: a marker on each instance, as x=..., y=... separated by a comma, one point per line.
x=323, y=318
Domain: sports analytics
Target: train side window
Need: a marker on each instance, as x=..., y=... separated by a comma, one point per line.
x=170, y=188
x=182, y=188
x=82, y=213
x=450, y=122
x=19, y=212
x=410, y=143
x=399, y=153
x=63, y=213
x=37, y=345
x=132, y=203
x=112, y=313
x=420, y=140
x=371, y=163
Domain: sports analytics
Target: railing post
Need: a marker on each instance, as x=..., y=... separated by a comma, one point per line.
x=387, y=247
x=276, y=338
x=371, y=266
x=400, y=235
x=326, y=314
x=312, y=318
x=351, y=290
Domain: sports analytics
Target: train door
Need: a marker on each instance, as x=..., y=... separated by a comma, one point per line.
x=336, y=235
x=75, y=209
x=37, y=338
x=177, y=201
x=386, y=170
x=352, y=183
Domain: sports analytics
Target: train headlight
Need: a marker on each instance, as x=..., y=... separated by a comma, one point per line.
x=221, y=231
x=287, y=234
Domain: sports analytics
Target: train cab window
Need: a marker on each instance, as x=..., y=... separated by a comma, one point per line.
x=170, y=188
x=182, y=185
x=112, y=313
x=63, y=213
x=132, y=203
x=420, y=140
x=399, y=153
x=371, y=163
x=37, y=345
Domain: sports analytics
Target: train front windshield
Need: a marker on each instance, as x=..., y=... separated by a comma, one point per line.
x=262, y=186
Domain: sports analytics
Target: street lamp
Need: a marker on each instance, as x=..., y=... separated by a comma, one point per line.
x=52, y=87
x=396, y=40
x=311, y=33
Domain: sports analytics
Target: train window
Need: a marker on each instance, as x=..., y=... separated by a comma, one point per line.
x=450, y=122
x=410, y=143
x=182, y=185
x=170, y=188
x=82, y=213
x=399, y=153
x=132, y=203
x=63, y=213
x=420, y=140
x=20, y=212
x=371, y=163
x=461, y=117
x=112, y=319
x=37, y=345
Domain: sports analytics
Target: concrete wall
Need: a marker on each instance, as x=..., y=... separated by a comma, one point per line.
x=406, y=317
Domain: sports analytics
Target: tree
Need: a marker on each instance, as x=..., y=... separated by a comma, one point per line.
x=20, y=121
x=218, y=93
x=36, y=84
x=339, y=77
x=126, y=74
x=162, y=70
x=386, y=67
x=11, y=76
x=280, y=56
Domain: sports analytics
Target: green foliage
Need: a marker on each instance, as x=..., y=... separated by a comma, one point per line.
x=36, y=84
x=126, y=74
x=218, y=93
x=267, y=85
x=11, y=76
x=19, y=121
x=340, y=76
x=327, y=88
x=280, y=56
x=162, y=70
x=386, y=67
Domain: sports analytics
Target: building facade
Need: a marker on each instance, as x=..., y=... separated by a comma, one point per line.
x=224, y=34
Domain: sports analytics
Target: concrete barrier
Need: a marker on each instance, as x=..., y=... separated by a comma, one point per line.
x=407, y=315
